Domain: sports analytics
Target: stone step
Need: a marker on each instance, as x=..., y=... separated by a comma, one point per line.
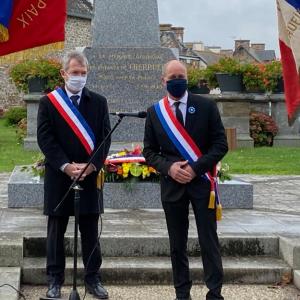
x=157, y=270
x=135, y=246
x=11, y=276
x=11, y=250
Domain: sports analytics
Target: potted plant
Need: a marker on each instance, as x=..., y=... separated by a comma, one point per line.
x=273, y=77
x=197, y=84
x=263, y=129
x=253, y=78
x=263, y=77
x=36, y=76
x=227, y=74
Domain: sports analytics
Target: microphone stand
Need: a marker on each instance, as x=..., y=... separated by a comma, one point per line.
x=76, y=187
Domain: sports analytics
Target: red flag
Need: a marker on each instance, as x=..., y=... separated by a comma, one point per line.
x=289, y=41
x=35, y=23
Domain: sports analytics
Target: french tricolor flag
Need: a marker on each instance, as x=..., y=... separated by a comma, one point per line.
x=289, y=42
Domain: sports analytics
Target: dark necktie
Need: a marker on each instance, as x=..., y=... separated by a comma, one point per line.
x=178, y=113
x=74, y=99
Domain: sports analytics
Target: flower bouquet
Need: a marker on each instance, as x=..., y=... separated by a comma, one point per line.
x=127, y=166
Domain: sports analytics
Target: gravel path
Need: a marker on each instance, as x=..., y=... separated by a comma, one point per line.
x=230, y=292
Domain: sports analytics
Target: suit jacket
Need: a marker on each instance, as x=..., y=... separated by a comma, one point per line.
x=60, y=145
x=206, y=129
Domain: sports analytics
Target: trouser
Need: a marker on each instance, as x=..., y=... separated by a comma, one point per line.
x=56, y=261
x=177, y=218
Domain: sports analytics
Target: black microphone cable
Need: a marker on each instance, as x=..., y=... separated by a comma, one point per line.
x=12, y=287
x=95, y=247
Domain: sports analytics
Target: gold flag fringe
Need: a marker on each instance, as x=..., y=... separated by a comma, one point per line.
x=4, y=35
x=30, y=53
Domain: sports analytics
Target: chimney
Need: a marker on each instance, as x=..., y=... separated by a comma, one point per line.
x=258, y=47
x=189, y=45
x=226, y=52
x=244, y=43
x=179, y=31
x=165, y=27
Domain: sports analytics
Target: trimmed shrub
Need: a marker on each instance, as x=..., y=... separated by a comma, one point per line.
x=15, y=114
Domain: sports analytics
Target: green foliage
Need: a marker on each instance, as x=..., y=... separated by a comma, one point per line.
x=12, y=152
x=262, y=129
x=262, y=77
x=43, y=68
x=14, y=115
x=38, y=167
x=194, y=76
x=225, y=65
x=223, y=172
x=21, y=130
x=256, y=77
x=272, y=75
x=253, y=79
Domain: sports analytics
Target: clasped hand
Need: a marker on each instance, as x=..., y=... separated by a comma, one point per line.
x=182, y=172
x=74, y=169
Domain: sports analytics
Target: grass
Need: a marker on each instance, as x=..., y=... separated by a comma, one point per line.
x=11, y=151
x=265, y=160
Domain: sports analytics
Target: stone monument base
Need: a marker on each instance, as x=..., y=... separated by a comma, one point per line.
x=25, y=190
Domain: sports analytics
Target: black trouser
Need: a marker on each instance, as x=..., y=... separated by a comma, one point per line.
x=177, y=217
x=88, y=226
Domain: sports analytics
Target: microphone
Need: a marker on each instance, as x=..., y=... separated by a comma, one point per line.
x=138, y=114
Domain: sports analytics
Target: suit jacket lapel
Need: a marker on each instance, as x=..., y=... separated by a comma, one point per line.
x=190, y=117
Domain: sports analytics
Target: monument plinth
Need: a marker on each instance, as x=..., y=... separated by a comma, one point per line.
x=126, y=60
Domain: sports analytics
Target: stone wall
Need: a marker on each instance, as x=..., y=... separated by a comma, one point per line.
x=78, y=34
x=9, y=96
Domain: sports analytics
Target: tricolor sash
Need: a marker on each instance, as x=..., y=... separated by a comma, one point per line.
x=186, y=147
x=74, y=118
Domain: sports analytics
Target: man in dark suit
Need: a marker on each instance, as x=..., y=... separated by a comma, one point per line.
x=66, y=155
x=183, y=182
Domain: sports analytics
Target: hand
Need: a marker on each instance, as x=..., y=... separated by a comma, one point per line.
x=178, y=173
x=87, y=172
x=72, y=170
x=188, y=168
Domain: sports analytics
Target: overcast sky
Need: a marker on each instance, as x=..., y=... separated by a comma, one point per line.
x=220, y=22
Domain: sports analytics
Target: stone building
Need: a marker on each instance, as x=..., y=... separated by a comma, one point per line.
x=192, y=53
x=254, y=53
x=78, y=34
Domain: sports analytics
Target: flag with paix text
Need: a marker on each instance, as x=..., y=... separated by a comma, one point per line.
x=27, y=24
x=289, y=42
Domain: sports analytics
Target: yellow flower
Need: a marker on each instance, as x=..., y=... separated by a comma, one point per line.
x=152, y=170
x=145, y=172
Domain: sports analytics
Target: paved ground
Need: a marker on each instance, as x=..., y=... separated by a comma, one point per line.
x=276, y=212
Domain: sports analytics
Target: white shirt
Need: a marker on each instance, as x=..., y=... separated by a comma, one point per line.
x=72, y=94
x=182, y=105
x=62, y=168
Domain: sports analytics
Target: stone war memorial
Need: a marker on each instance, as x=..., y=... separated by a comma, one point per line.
x=126, y=60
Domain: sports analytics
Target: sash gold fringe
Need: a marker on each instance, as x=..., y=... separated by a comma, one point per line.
x=30, y=53
x=219, y=212
x=100, y=179
x=212, y=200
x=4, y=35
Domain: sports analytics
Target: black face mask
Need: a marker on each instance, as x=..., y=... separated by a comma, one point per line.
x=177, y=87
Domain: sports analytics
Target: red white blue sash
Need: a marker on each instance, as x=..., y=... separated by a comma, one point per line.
x=73, y=117
x=183, y=141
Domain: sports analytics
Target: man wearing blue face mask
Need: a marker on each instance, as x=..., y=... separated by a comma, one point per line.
x=72, y=122
x=184, y=140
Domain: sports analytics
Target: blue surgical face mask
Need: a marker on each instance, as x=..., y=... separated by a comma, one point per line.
x=177, y=87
